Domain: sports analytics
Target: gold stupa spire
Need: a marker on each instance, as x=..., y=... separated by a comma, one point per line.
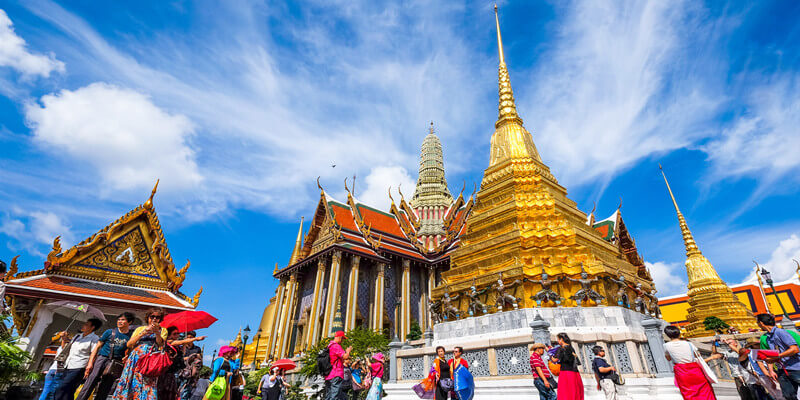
x=708, y=294
x=298, y=245
x=510, y=139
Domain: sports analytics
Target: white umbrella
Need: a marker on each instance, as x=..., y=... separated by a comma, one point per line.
x=76, y=311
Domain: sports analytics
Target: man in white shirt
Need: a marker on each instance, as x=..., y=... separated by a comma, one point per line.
x=80, y=349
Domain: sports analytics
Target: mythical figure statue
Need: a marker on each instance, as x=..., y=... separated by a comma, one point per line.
x=653, y=306
x=447, y=308
x=503, y=297
x=475, y=304
x=585, y=292
x=547, y=293
x=638, y=302
x=622, y=297
x=433, y=308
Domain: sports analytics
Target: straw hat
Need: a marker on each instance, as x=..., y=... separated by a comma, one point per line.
x=538, y=346
x=752, y=341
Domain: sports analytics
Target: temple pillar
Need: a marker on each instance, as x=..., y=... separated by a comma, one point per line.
x=352, y=295
x=431, y=284
x=655, y=341
x=405, y=301
x=277, y=318
x=377, y=312
x=287, y=320
x=332, y=300
x=313, y=316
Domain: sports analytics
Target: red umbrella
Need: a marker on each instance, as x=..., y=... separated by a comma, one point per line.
x=284, y=363
x=189, y=320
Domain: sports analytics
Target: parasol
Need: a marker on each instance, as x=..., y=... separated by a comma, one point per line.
x=284, y=363
x=190, y=320
x=76, y=311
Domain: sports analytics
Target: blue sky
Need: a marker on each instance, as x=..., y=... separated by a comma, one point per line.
x=238, y=106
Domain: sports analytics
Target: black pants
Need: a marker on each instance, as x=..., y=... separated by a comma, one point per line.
x=744, y=391
x=69, y=383
x=96, y=379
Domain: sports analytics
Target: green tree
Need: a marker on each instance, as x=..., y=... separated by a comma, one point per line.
x=715, y=324
x=415, y=332
x=13, y=360
x=364, y=341
x=251, y=387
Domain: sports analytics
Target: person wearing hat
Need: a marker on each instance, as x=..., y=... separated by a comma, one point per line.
x=542, y=378
x=334, y=380
x=271, y=384
x=376, y=372
x=766, y=385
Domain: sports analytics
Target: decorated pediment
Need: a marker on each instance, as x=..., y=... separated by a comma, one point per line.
x=129, y=254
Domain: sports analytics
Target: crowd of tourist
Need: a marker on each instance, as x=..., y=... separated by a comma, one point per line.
x=150, y=362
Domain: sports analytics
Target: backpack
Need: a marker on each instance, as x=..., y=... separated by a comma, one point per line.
x=324, y=366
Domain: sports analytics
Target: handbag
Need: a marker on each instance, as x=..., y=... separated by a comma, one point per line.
x=446, y=384
x=710, y=375
x=617, y=379
x=154, y=363
x=216, y=390
x=113, y=367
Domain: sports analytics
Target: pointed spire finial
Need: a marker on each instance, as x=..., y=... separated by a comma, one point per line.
x=688, y=239
x=149, y=202
x=431, y=128
x=507, y=107
x=298, y=245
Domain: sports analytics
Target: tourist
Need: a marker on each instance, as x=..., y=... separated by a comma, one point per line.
x=193, y=358
x=237, y=381
x=132, y=385
x=52, y=377
x=105, y=363
x=767, y=386
x=168, y=382
x=463, y=383
x=444, y=380
x=570, y=384
x=734, y=357
x=689, y=375
x=603, y=373
x=376, y=372
x=542, y=378
x=271, y=385
x=781, y=341
x=333, y=382
x=347, y=383
x=224, y=366
x=201, y=386
x=80, y=349
x=357, y=375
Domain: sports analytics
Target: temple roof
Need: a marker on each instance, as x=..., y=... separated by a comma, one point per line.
x=130, y=252
x=373, y=233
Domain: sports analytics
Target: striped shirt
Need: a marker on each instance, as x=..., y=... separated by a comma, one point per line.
x=536, y=361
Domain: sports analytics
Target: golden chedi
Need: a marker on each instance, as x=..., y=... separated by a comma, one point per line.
x=709, y=295
x=523, y=226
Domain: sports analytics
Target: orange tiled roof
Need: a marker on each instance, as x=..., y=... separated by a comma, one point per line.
x=380, y=221
x=60, y=287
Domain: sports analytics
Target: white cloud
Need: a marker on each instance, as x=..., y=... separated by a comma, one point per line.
x=33, y=230
x=781, y=262
x=378, y=182
x=615, y=87
x=14, y=53
x=668, y=277
x=127, y=139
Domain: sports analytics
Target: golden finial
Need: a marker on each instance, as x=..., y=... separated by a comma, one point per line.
x=390, y=195
x=430, y=131
x=345, y=185
x=402, y=198
x=320, y=186
x=149, y=202
x=182, y=272
x=196, y=298
x=275, y=271
x=688, y=239
x=12, y=270
x=619, y=207
x=507, y=107
x=298, y=245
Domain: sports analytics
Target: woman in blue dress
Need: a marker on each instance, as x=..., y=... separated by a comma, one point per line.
x=132, y=385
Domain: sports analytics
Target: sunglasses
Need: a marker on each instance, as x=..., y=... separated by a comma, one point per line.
x=158, y=317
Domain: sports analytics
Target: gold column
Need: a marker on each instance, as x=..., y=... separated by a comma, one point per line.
x=277, y=318
x=405, y=304
x=334, y=287
x=377, y=312
x=352, y=295
x=431, y=284
x=313, y=316
x=286, y=322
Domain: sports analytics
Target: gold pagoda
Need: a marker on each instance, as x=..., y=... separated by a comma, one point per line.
x=523, y=226
x=709, y=295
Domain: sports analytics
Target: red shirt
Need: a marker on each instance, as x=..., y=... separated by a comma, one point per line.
x=536, y=361
x=337, y=361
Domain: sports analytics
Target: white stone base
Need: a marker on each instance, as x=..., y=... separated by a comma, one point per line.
x=523, y=389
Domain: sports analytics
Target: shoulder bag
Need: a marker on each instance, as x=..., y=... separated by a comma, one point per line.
x=216, y=390
x=114, y=366
x=709, y=374
x=154, y=363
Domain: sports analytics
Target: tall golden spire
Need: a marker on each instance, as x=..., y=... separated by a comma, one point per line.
x=708, y=294
x=688, y=239
x=507, y=108
x=298, y=245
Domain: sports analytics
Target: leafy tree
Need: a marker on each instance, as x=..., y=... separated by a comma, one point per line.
x=253, y=378
x=415, y=332
x=13, y=360
x=715, y=324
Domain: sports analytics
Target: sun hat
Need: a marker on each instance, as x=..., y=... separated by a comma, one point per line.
x=378, y=357
x=339, y=334
x=224, y=350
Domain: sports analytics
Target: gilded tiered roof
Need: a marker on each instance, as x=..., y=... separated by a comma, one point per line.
x=709, y=295
x=431, y=191
x=522, y=222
